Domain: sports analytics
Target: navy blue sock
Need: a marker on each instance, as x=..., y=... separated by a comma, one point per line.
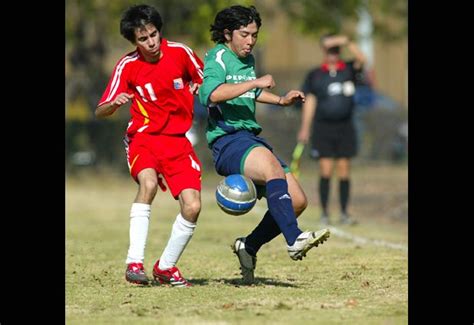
x=324, y=193
x=344, y=187
x=266, y=230
x=281, y=209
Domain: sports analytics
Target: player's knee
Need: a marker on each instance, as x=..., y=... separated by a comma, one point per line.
x=325, y=173
x=191, y=209
x=150, y=186
x=299, y=204
x=275, y=172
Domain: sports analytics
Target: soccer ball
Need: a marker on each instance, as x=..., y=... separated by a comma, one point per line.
x=236, y=194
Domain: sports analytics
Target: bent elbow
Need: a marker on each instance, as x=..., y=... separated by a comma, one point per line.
x=213, y=98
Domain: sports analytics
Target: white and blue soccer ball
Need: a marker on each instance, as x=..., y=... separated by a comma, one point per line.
x=236, y=194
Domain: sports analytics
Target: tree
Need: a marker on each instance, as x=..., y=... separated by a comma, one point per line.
x=316, y=17
x=92, y=25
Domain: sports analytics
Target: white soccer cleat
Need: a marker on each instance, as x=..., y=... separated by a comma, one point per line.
x=247, y=261
x=306, y=241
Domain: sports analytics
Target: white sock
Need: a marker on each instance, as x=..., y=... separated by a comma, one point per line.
x=180, y=235
x=139, y=220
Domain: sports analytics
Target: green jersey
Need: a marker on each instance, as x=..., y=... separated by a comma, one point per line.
x=222, y=65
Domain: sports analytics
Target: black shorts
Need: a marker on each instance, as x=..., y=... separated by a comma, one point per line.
x=334, y=140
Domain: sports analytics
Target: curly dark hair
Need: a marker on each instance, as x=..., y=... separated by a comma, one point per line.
x=233, y=18
x=138, y=16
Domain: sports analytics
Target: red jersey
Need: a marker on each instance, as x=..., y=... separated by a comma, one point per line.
x=162, y=103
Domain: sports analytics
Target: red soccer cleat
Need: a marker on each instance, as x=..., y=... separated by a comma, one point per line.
x=171, y=276
x=135, y=273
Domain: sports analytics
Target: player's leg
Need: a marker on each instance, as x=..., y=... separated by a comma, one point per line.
x=142, y=170
x=343, y=166
x=298, y=196
x=325, y=171
x=184, y=180
x=183, y=228
x=247, y=248
x=323, y=148
x=268, y=229
x=346, y=148
x=139, y=223
x=147, y=186
x=263, y=167
x=307, y=239
x=165, y=269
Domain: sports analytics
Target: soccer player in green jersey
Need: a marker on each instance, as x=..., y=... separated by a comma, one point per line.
x=229, y=90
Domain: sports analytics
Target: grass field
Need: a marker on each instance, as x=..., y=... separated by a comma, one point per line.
x=340, y=282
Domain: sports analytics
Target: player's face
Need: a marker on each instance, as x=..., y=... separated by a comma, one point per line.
x=243, y=40
x=332, y=54
x=148, y=40
x=332, y=58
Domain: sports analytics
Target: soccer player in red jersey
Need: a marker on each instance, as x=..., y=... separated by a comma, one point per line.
x=159, y=78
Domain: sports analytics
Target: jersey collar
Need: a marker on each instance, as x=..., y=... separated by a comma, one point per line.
x=340, y=65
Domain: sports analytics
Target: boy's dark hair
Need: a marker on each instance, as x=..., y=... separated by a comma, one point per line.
x=233, y=18
x=138, y=16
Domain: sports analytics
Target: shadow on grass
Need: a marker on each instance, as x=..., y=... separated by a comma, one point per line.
x=258, y=282
x=194, y=282
x=237, y=282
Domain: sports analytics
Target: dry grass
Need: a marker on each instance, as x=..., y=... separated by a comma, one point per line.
x=339, y=282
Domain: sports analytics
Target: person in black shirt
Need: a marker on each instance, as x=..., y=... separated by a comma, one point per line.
x=329, y=105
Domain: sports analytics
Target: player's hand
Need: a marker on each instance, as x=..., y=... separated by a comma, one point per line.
x=291, y=97
x=303, y=136
x=265, y=82
x=337, y=40
x=122, y=98
x=194, y=89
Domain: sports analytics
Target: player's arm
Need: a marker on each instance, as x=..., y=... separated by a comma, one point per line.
x=109, y=108
x=359, y=57
x=194, y=68
x=269, y=98
x=214, y=88
x=343, y=40
x=117, y=92
x=308, y=111
x=230, y=91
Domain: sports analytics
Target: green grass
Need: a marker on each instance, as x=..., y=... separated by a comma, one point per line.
x=338, y=283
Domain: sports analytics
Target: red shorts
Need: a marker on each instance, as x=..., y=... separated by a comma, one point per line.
x=171, y=156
